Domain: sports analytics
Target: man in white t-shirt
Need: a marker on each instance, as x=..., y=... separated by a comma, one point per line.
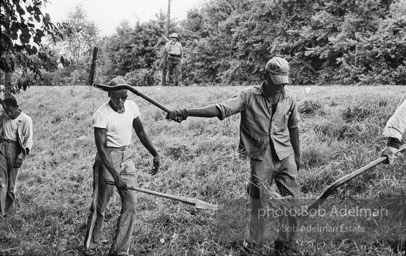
x=113, y=123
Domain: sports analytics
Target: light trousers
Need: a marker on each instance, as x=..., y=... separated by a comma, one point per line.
x=9, y=152
x=123, y=163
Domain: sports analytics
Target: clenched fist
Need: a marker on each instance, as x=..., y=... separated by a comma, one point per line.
x=178, y=115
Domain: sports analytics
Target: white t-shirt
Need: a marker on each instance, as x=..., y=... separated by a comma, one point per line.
x=118, y=126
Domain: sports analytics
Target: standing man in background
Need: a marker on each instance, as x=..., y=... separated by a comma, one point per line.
x=113, y=123
x=16, y=133
x=174, y=52
x=269, y=136
x=395, y=131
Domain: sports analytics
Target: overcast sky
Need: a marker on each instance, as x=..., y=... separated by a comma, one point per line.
x=108, y=14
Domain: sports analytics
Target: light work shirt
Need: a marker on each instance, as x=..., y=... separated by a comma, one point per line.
x=258, y=128
x=174, y=48
x=19, y=129
x=396, y=125
x=118, y=125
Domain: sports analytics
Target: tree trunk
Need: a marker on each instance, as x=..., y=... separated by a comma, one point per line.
x=7, y=83
x=163, y=79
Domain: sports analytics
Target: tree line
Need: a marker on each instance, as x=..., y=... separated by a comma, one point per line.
x=227, y=42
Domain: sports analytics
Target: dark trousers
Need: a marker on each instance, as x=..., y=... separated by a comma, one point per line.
x=263, y=173
x=175, y=72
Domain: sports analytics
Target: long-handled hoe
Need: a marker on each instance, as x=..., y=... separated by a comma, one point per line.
x=338, y=183
x=187, y=200
x=118, y=87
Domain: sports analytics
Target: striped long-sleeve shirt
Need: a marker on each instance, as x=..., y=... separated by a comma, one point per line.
x=259, y=127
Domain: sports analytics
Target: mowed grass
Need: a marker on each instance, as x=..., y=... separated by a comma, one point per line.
x=341, y=131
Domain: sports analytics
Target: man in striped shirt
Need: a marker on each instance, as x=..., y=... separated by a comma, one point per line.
x=269, y=136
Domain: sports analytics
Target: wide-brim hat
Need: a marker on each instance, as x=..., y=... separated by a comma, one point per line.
x=118, y=81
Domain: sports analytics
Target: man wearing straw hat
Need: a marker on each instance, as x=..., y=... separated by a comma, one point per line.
x=113, y=123
x=269, y=136
x=174, y=51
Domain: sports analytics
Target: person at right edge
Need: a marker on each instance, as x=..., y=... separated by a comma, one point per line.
x=395, y=131
x=269, y=136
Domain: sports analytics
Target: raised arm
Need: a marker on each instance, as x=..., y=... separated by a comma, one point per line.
x=208, y=111
x=222, y=110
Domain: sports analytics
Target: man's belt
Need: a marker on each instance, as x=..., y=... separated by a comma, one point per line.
x=123, y=148
x=8, y=140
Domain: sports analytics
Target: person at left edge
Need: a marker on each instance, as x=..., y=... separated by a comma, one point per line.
x=16, y=140
x=113, y=123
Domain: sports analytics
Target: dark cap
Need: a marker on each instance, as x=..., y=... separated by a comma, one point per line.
x=278, y=69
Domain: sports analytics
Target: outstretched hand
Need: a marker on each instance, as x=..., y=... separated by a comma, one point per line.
x=178, y=115
x=155, y=168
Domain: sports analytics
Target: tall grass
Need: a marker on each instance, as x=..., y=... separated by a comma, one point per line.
x=340, y=131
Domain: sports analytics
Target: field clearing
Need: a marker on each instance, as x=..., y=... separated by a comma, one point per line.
x=341, y=131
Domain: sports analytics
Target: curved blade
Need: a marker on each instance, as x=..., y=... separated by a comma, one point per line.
x=338, y=183
x=107, y=88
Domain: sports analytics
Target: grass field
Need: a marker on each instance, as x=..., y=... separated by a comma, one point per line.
x=341, y=131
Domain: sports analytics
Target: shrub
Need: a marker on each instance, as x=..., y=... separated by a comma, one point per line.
x=309, y=107
x=142, y=77
x=357, y=113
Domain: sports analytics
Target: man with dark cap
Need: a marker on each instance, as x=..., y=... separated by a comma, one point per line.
x=269, y=136
x=174, y=51
x=16, y=140
x=395, y=131
x=113, y=123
